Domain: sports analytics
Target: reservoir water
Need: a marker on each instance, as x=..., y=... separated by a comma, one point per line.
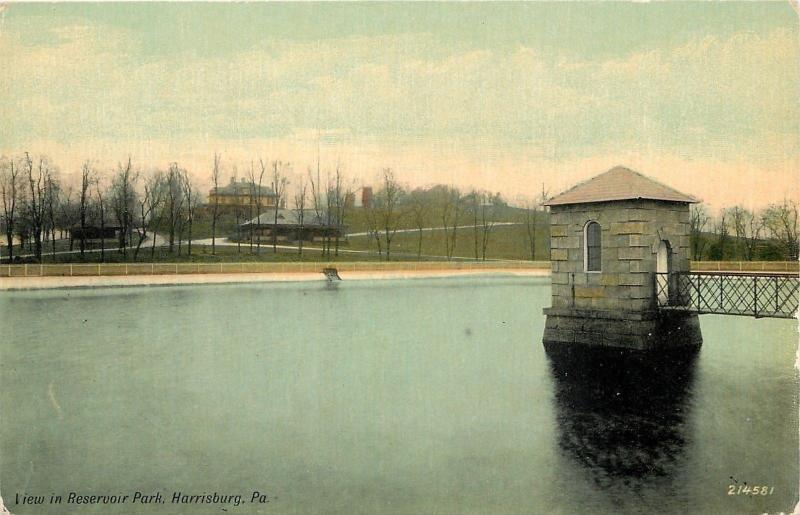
x=414, y=396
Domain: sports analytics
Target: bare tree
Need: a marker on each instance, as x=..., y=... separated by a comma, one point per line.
x=9, y=188
x=722, y=234
x=300, y=209
x=419, y=207
x=83, y=205
x=256, y=189
x=752, y=234
x=175, y=199
x=279, y=183
x=149, y=203
x=488, y=221
x=371, y=213
x=123, y=202
x=698, y=221
x=215, y=207
x=237, y=212
x=251, y=205
x=101, y=209
x=531, y=209
x=52, y=189
x=747, y=228
x=36, y=200
x=329, y=214
x=341, y=193
x=456, y=203
x=389, y=212
x=531, y=218
x=70, y=214
x=781, y=221
x=474, y=205
x=449, y=201
x=336, y=207
x=317, y=198
x=24, y=226
x=192, y=202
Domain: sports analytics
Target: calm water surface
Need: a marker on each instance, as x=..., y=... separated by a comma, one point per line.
x=416, y=396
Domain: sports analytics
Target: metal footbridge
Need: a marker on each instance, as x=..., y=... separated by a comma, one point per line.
x=762, y=295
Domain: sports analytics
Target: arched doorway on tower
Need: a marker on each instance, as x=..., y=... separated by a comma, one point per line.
x=663, y=268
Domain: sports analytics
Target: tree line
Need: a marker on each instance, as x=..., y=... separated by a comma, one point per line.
x=43, y=214
x=472, y=214
x=146, y=210
x=737, y=233
x=38, y=207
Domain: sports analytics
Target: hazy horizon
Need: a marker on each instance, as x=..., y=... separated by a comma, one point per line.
x=503, y=97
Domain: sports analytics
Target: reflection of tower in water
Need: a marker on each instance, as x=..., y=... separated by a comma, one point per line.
x=622, y=417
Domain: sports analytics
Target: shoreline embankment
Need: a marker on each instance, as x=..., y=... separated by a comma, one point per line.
x=84, y=275
x=31, y=277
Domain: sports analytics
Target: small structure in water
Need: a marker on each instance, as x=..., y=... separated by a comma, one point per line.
x=609, y=237
x=331, y=274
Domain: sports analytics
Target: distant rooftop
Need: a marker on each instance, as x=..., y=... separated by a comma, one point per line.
x=288, y=217
x=242, y=187
x=619, y=183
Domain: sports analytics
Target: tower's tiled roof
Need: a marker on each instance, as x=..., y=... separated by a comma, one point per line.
x=619, y=183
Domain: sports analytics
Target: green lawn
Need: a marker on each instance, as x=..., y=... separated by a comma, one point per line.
x=202, y=254
x=62, y=245
x=505, y=242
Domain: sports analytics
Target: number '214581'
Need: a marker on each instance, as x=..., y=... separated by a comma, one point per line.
x=750, y=490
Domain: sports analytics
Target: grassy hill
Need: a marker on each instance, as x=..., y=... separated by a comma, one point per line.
x=505, y=242
x=509, y=241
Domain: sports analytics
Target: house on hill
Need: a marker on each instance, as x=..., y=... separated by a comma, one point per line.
x=242, y=194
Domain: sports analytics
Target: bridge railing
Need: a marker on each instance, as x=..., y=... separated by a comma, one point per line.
x=759, y=295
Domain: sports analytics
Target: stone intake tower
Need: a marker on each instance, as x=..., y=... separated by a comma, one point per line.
x=609, y=237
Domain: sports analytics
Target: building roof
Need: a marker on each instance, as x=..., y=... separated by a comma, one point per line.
x=288, y=217
x=619, y=183
x=235, y=188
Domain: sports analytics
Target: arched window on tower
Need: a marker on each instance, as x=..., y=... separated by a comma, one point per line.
x=591, y=247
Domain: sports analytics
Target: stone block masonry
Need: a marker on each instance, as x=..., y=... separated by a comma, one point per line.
x=615, y=307
x=630, y=233
x=621, y=329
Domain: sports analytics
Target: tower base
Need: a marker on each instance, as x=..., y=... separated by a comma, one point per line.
x=634, y=330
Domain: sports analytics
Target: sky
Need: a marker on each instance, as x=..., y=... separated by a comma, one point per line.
x=508, y=97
